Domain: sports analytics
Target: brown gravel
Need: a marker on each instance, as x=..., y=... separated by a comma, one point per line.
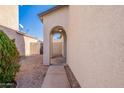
x=32, y=72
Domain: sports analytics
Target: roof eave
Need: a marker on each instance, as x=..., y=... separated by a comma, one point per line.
x=49, y=11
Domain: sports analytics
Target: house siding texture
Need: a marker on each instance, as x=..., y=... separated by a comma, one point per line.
x=9, y=16
x=19, y=40
x=9, y=24
x=96, y=45
x=56, y=18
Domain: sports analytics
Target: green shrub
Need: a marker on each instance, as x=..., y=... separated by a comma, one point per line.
x=9, y=58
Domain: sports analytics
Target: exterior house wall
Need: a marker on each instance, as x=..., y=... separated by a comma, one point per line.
x=23, y=42
x=9, y=16
x=9, y=24
x=20, y=44
x=19, y=40
x=95, y=43
x=95, y=51
x=51, y=20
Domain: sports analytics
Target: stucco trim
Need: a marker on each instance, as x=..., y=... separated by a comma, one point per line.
x=18, y=32
x=2, y=26
x=24, y=34
x=49, y=11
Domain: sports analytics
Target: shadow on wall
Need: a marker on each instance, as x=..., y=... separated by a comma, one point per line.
x=17, y=37
x=41, y=48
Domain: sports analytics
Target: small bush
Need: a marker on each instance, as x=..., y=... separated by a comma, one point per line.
x=9, y=58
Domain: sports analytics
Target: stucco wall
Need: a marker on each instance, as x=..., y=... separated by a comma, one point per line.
x=23, y=42
x=19, y=40
x=9, y=16
x=95, y=50
x=20, y=43
x=9, y=24
x=56, y=18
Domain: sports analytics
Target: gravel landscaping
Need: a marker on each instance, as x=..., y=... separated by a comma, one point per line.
x=32, y=72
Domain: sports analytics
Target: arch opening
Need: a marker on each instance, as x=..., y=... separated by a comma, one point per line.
x=58, y=44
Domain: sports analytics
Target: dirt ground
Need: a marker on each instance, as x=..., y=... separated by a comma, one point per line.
x=32, y=72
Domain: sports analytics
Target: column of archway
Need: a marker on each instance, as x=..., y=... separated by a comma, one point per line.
x=65, y=41
x=46, y=48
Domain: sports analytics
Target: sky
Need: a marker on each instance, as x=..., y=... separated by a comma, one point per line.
x=29, y=21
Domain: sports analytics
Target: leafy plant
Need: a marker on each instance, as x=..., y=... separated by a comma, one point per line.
x=9, y=58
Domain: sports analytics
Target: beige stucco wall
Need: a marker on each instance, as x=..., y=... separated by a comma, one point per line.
x=9, y=16
x=19, y=40
x=56, y=18
x=20, y=43
x=95, y=50
x=23, y=42
x=9, y=24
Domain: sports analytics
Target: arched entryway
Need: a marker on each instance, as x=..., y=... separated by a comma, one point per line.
x=58, y=42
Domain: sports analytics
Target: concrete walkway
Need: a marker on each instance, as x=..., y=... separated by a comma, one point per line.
x=58, y=60
x=56, y=77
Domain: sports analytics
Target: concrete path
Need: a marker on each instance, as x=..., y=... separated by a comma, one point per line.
x=56, y=77
x=58, y=60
